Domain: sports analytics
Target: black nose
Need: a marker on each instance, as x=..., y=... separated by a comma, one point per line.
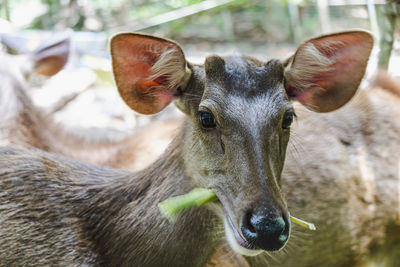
x=265, y=231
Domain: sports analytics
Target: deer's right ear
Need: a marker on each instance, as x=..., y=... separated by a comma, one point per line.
x=149, y=71
x=326, y=71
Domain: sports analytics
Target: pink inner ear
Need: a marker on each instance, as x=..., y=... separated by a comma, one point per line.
x=134, y=57
x=147, y=84
x=323, y=83
x=303, y=97
x=338, y=42
x=163, y=98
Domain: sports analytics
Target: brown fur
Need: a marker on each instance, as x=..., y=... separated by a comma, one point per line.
x=90, y=210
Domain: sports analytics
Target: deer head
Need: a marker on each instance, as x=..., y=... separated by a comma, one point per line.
x=239, y=115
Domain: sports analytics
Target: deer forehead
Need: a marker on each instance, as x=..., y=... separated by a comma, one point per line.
x=242, y=75
x=242, y=89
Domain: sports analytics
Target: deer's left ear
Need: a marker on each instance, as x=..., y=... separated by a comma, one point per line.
x=326, y=71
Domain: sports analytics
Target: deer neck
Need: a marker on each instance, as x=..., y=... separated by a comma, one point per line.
x=122, y=239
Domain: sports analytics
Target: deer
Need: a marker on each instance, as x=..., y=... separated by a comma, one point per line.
x=26, y=125
x=18, y=112
x=56, y=210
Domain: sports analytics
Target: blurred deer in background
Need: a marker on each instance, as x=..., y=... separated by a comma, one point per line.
x=21, y=121
x=234, y=142
x=25, y=125
x=386, y=81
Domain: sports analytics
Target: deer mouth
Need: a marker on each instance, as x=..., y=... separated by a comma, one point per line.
x=237, y=242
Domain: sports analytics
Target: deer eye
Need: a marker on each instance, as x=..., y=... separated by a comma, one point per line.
x=288, y=119
x=207, y=120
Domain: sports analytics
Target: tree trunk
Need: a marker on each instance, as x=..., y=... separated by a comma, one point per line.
x=387, y=22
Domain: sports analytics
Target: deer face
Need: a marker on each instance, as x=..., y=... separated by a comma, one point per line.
x=236, y=146
x=240, y=113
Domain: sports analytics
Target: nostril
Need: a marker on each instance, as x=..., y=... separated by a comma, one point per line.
x=280, y=224
x=248, y=230
x=248, y=222
x=267, y=232
x=283, y=238
x=284, y=226
x=286, y=230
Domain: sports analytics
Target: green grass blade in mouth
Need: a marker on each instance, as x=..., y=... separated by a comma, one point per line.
x=171, y=207
x=305, y=224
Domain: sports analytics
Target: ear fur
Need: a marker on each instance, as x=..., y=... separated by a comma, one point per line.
x=149, y=71
x=326, y=71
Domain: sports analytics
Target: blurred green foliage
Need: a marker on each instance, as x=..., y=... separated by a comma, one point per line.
x=250, y=20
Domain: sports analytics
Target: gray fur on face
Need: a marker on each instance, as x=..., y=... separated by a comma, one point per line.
x=247, y=149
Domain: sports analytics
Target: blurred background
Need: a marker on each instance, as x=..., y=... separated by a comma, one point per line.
x=83, y=93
